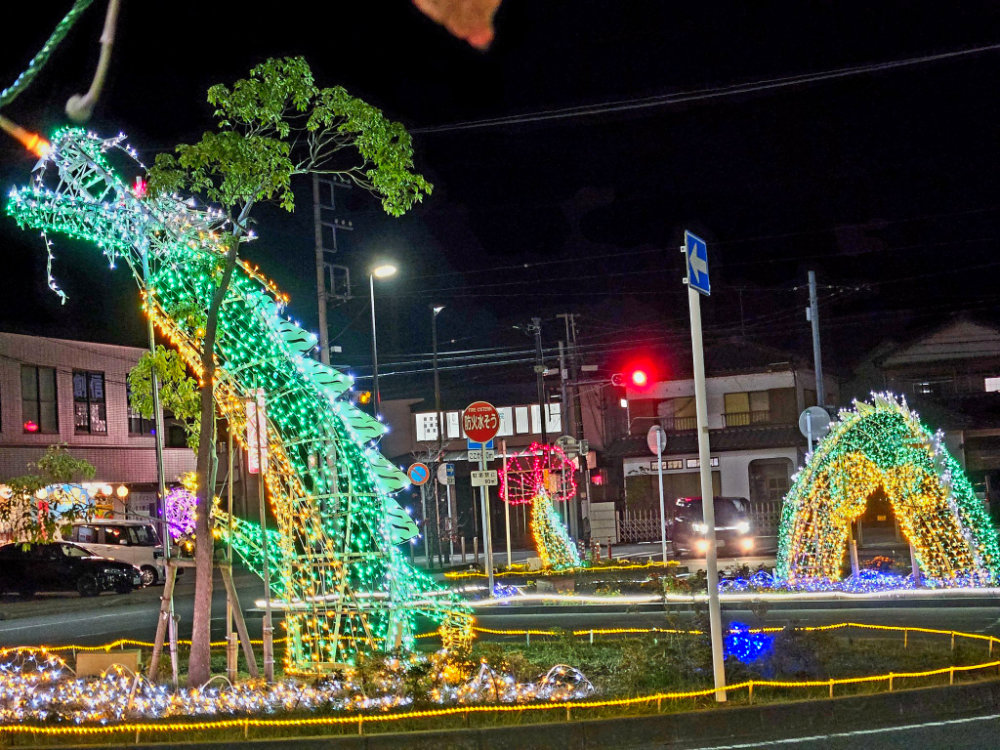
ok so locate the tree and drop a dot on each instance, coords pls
(178, 390)
(272, 126)
(32, 518)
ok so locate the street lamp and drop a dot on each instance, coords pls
(381, 271)
(435, 311)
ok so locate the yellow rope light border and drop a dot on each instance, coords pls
(360, 719)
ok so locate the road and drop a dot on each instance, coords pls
(69, 619)
(966, 732)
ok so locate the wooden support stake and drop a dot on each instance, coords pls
(162, 622)
(750, 692)
(831, 687)
(241, 625)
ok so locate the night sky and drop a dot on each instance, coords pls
(884, 182)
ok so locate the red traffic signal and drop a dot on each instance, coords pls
(639, 378)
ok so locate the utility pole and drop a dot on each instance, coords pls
(536, 329)
(339, 277)
(576, 505)
(812, 315)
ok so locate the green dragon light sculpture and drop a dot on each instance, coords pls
(333, 558)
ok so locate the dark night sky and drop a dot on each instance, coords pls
(884, 183)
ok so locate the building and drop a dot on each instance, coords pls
(950, 375)
(754, 397)
(75, 393)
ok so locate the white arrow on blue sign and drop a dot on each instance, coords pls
(696, 252)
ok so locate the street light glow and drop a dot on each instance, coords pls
(384, 271)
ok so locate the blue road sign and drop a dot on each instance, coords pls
(473, 446)
(449, 470)
(696, 252)
(418, 473)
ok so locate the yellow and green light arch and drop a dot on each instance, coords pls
(883, 444)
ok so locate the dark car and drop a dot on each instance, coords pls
(733, 528)
(61, 566)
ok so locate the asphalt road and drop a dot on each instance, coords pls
(967, 732)
(63, 619)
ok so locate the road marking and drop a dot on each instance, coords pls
(5, 629)
(855, 733)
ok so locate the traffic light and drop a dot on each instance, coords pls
(364, 397)
(618, 383)
(639, 377)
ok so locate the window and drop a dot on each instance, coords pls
(89, 411)
(138, 424)
(678, 414)
(746, 408)
(39, 406)
(521, 423)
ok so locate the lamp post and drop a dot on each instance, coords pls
(435, 311)
(381, 271)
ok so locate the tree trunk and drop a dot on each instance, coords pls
(200, 661)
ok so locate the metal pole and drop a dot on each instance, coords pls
(231, 645)
(487, 532)
(451, 525)
(506, 500)
(268, 630)
(427, 527)
(707, 495)
(376, 398)
(324, 334)
(659, 476)
(813, 317)
(160, 474)
(536, 327)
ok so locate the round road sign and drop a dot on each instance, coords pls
(481, 422)
(418, 473)
(656, 447)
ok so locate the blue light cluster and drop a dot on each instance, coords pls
(865, 582)
(745, 645)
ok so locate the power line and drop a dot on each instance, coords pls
(718, 92)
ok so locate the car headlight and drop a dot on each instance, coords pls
(699, 528)
(743, 527)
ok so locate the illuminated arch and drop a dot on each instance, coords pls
(883, 444)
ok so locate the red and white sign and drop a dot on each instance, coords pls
(481, 422)
(256, 425)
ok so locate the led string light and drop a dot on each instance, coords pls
(31, 676)
(335, 551)
(540, 475)
(883, 444)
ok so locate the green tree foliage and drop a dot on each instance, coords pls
(178, 390)
(33, 519)
(272, 126)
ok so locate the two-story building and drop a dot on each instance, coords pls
(754, 397)
(76, 393)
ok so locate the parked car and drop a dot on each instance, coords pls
(129, 541)
(733, 528)
(62, 566)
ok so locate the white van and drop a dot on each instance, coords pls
(130, 541)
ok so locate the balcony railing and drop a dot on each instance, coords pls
(746, 418)
(679, 424)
